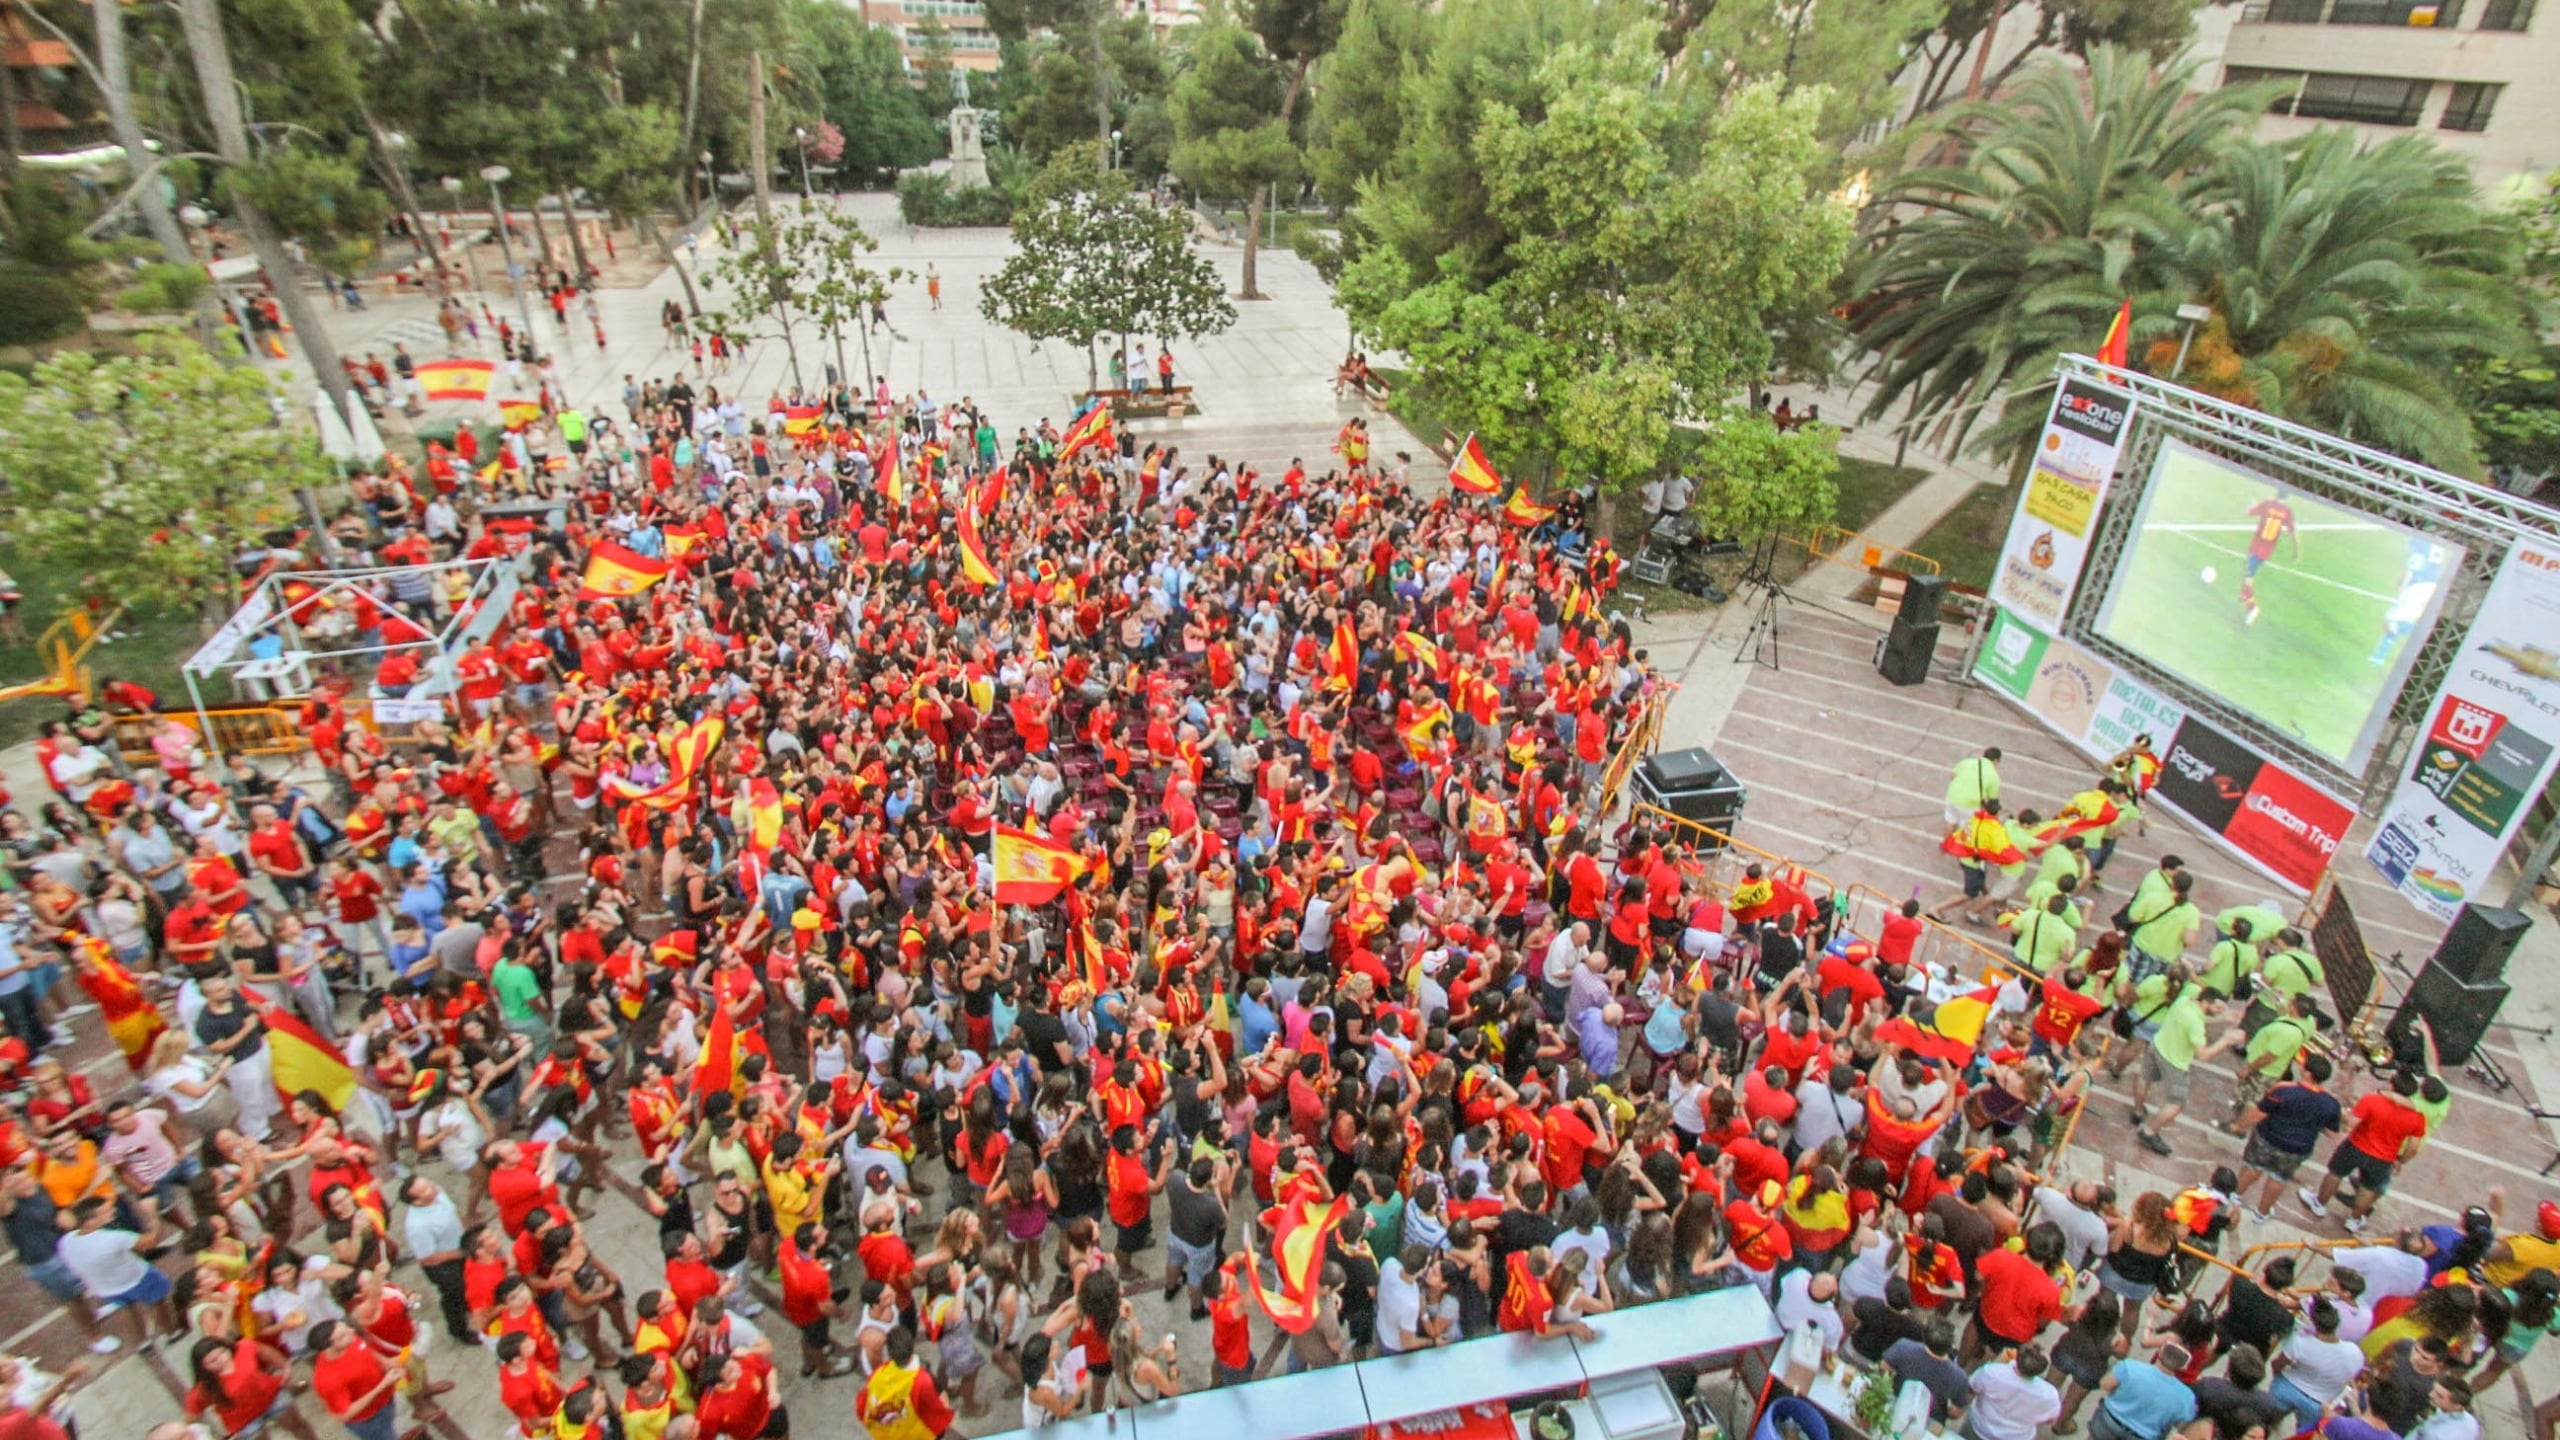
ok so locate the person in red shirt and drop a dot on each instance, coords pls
(353, 1382)
(2061, 1009)
(527, 1388)
(1574, 1138)
(521, 1178)
(1901, 931)
(1758, 1158)
(744, 1403)
(1766, 1095)
(277, 850)
(1132, 1198)
(2018, 1294)
(2386, 1132)
(241, 1384)
(1757, 1235)
(808, 1301)
(1230, 1332)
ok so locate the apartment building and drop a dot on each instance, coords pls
(2461, 71)
(964, 24)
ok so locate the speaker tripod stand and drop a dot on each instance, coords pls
(1760, 643)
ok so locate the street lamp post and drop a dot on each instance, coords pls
(1115, 149)
(2194, 315)
(800, 137)
(470, 256)
(494, 174)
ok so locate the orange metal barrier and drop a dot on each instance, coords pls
(1642, 736)
(243, 729)
(1865, 552)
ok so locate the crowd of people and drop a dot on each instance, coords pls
(692, 903)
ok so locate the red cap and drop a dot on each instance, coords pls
(2548, 1218)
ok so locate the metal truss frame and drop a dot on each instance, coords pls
(2484, 520)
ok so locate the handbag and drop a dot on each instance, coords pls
(2124, 1022)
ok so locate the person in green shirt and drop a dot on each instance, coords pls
(2162, 933)
(2270, 1055)
(522, 1005)
(2234, 959)
(2063, 866)
(2291, 970)
(1976, 778)
(2176, 1012)
(2151, 891)
(2046, 936)
(573, 429)
(2067, 886)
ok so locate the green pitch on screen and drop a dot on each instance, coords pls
(2320, 652)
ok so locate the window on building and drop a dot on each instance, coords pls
(2442, 14)
(2468, 109)
(2507, 15)
(2282, 104)
(2296, 12)
(2365, 99)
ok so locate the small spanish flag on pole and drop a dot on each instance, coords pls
(1032, 869)
(455, 379)
(973, 551)
(519, 413)
(1093, 427)
(800, 419)
(1520, 510)
(1472, 472)
(2112, 350)
(1342, 659)
(614, 571)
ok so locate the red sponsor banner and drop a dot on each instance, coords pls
(2275, 819)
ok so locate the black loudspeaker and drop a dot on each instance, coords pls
(1921, 597)
(2456, 1011)
(2482, 937)
(1693, 785)
(1904, 655)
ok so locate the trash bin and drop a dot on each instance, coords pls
(1806, 1416)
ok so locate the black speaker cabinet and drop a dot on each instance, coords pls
(1903, 656)
(1693, 785)
(2457, 1012)
(1921, 597)
(2482, 937)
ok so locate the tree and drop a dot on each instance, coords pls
(1620, 268)
(802, 265)
(1231, 141)
(1092, 257)
(1756, 480)
(150, 470)
(1357, 120)
(1080, 24)
(1852, 51)
(2348, 286)
(2159, 29)
(851, 75)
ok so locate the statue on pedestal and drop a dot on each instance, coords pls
(968, 151)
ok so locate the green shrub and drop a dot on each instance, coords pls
(927, 200)
(163, 287)
(35, 306)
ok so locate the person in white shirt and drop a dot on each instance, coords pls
(2315, 1367)
(1806, 1298)
(1400, 1322)
(1828, 1107)
(2011, 1399)
(2389, 1271)
(2451, 1419)
(2081, 1214)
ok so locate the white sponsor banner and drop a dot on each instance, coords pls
(2490, 739)
(2048, 542)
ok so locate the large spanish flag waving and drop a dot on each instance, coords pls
(1031, 869)
(1093, 427)
(1950, 1033)
(1342, 659)
(686, 754)
(1472, 472)
(974, 565)
(455, 379)
(764, 815)
(1298, 1238)
(718, 1067)
(614, 571)
(1522, 511)
(303, 1060)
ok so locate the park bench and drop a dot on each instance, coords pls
(1148, 404)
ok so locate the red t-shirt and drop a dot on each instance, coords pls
(1758, 1239)
(737, 1412)
(2061, 1011)
(806, 1286)
(1838, 972)
(2384, 1124)
(357, 893)
(517, 1190)
(251, 1389)
(342, 1380)
(1569, 1136)
(2018, 1299)
(1230, 1333)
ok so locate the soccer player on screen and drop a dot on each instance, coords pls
(2419, 580)
(2271, 519)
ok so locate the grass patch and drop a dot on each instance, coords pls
(1966, 540)
(1869, 487)
(151, 655)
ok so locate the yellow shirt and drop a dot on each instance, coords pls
(796, 1201)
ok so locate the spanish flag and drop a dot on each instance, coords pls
(1983, 839)
(718, 1067)
(929, 458)
(1520, 510)
(455, 379)
(1298, 1236)
(2112, 350)
(687, 753)
(764, 815)
(1419, 651)
(989, 496)
(1471, 472)
(1084, 951)
(1342, 659)
(614, 571)
(973, 550)
(1093, 427)
(1952, 1030)
(677, 947)
(519, 413)
(683, 540)
(304, 1061)
(801, 419)
(1031, 869)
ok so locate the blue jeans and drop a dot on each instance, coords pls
(2305, 1409)
(384, 1425)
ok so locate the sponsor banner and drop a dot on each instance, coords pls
(2489, 744)
(2266, 814)
(2048, 542)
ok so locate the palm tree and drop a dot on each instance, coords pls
(2347, 285)
(2052, 213)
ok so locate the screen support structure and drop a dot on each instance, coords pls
(2487, 521)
